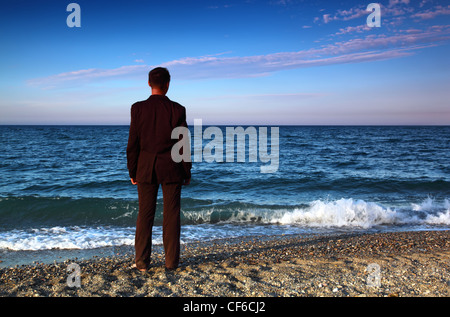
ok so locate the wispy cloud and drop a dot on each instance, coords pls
(432, 13)
(87, 75)
(395, 9)
(371, 47)
(346, 15)
(352, 29)
(395, 2)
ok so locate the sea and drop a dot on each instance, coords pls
(65, 190)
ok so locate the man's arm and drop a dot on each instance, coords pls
(186, 165)
(133, 147)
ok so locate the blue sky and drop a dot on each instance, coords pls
(232, 62)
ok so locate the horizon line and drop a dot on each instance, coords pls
(224, 124)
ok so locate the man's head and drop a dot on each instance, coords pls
(159, 79)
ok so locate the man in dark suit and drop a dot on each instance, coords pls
(150, 164)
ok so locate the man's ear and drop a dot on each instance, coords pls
(149, 84)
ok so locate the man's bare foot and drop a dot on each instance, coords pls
(133, 266)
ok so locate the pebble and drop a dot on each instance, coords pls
(297, 265)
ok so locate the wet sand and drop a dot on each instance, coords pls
(404, 264)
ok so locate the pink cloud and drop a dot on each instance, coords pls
(345, 15)
(395, 2)
(326, 18)
(369, 48)
(432, 13)
(353, 29)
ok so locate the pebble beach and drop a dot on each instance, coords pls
(397, 264)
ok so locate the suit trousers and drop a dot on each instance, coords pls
(147, 193)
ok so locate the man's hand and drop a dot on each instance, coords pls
(186, 181)
(133, 181)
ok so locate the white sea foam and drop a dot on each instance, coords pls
(359, 213)
(65, 238)
(340, 213)
(437, 214)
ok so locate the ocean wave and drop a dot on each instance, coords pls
(35, 211)
(29, 212)
(345, 212)
(206, 219)
(359, 213)
(436, 214)
(341, 213)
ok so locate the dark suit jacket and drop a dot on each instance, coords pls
(150, 143)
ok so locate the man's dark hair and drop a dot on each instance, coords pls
(159, 77)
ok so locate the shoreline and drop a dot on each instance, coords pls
(409, 264)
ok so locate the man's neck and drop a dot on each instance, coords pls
(158, 92)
